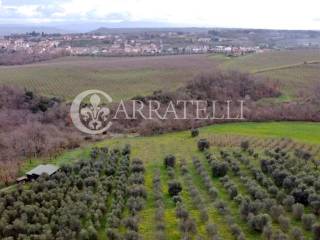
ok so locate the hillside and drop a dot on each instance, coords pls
(122, 78)
(209, 204)
(297, 71)
(153, 148)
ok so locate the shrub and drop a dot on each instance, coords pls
(244, 145)
(288, 202)
(181, 212)
(171, 173)
(194, 132)
(288, 183)
(276, 211)
(203, 144)
(315, 205)
(316, 231)
(235, 169)
(302, 154)
(126, 150)
(83, 235)
(297, 211)
(135, 204)
(278, 235)
(273, 190)
(300, 196)
(136, 178)
(131, 235)
(264, 165)
(211, 229)
(284, 223)
(159, 213)
(204, 215)
(258, 222)
(308, 220)
(92, 233)
(137, 166)
(235, 230)
(279, 176)
(222, 207)
(160, 235)
(137, 190)
(114, 221)
(90, 182)
(219, 169)
(113, 234)
(188, 226)
(177, 198)
(233, 192)
(131, 223)
(174, 188)
(169, 161)
(267, 233)
(296, 234)
(213, 193)
(160, 226)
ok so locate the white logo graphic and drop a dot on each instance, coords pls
(91, 118)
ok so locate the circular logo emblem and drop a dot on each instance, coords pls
(89, 113)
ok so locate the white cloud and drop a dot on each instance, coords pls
(290, 14)
(27, 11)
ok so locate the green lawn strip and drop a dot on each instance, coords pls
(125, 214)
(262, 70)
(306, 132)
(171, 222)
(288, 214)
(233, 206)
(102, 233)
(193, 211)
(191, 208)
(214, 216)
(146, 216)
(180, 143)
(102, 230)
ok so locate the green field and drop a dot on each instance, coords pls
(152, 150)
(121, 78)
(94, 184)
(296, 71)
(273, 59)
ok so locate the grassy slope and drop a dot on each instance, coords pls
(269, 60)
(153, 149)
(299, 131)
(122, 78)
(126, 77)
(287, 67)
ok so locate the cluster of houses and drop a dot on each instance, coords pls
(117, 49)
(235, 51)
(120, 44)
(30, 47)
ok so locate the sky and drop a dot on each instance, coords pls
(272, 14)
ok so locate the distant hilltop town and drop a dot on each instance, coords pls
(34, 46)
